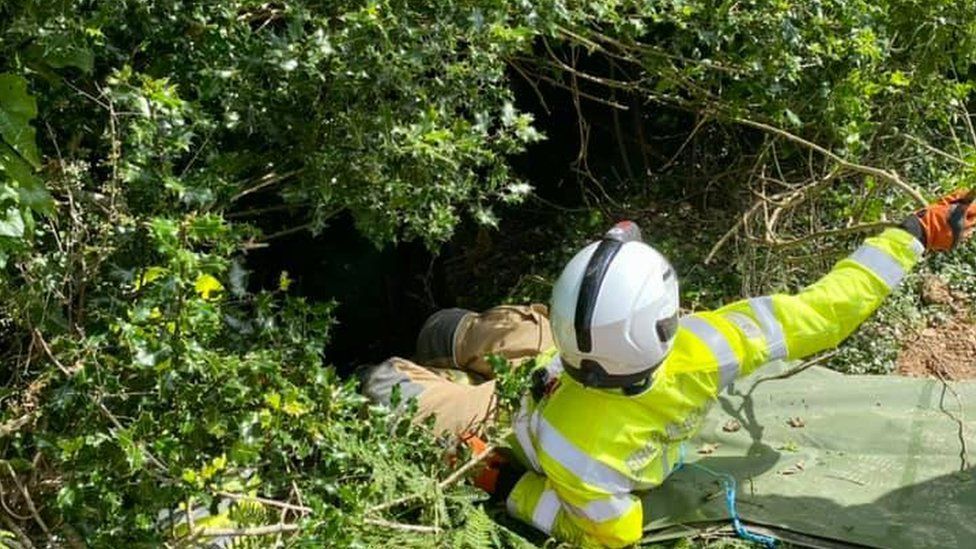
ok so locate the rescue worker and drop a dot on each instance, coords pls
(632, 379)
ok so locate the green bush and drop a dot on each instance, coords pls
(145, 144)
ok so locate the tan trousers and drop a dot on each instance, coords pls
(450, 376)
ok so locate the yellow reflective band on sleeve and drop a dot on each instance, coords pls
(587, 469)
(880, 263)
(602, 510)
(728, 363)
(521, 427)
(525, 496)
(771, 327)
(546, 510)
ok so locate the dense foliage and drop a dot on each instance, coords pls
(147, 146)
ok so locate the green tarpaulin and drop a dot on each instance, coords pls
(878, 461)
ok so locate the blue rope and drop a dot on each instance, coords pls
(728, 481)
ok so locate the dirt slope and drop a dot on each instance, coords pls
(949, 348)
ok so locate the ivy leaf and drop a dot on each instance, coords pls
(17, 109)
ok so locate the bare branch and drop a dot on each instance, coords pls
(451, 479)
(244, 532)
(888, 176)
(22, 538)
(30, 502)
(265, 181)
(402, 526)
(50, 355)
(272, 502)
(864, 227)
(12, 426)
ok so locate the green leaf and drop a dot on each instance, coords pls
(12, 223)
(133, 453)
(207, 286)
(72, 56)
(30, 189)
(792, 118)
(17, 109)
(900, 79)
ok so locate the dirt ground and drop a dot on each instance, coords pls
(949, 348)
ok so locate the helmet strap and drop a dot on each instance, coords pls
(591, 374)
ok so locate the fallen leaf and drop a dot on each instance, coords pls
(731, 426)
(793, 469)
(790, 446)
(708, 448)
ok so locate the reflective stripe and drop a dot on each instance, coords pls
(521, 428)
(728, 363)
(771, 327)
(545, 511)
(918, 247)
(880, 263)
(554, 368)
(583, 466)
(602, 510)
(665, 466)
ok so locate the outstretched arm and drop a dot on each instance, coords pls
(746, 334)
(825, 313)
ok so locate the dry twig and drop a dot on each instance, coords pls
(22, 538)
(884, 175)
(272, 502)
(12, 426)
(30, 502)
(451, 479)
(244, 532)
(402, 526)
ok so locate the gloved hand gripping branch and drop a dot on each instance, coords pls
(498, 472)
(941, 226)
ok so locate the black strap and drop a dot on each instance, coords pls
(596, 270)
(913, 225)
(591, 374)
(957, 220)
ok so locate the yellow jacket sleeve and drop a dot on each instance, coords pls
(749, 333)
(596, 521)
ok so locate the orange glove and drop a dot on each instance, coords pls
(489, 468)
(496, 474)
(943, 225)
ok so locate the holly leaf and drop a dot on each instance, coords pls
(207, 286)
(17, 109)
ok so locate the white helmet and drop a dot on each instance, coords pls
(615, 310)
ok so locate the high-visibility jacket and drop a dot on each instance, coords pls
(587, 450)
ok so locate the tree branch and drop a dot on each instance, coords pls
(244, 532)
(402, 526)
(272, 502)
(884, 175)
